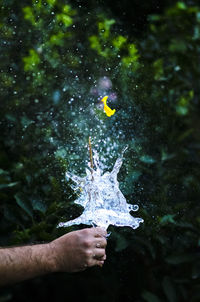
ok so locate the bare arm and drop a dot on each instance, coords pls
(20, 263)
(72, 252)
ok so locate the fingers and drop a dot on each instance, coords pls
(99, 254)
(94, 244)
(100, 243)
(97, 262)
(100, 232)
(100, 263)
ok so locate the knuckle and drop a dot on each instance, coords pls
(88, 254)
(88, 262)
(105, 242)
(86, 232)
(77, 236)
(102, 232)
(87, 243)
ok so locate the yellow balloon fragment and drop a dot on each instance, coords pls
(107, 109)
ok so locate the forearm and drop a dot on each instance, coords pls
(71, 252)
(21, 263)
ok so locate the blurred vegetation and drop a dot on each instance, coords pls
(57, 58)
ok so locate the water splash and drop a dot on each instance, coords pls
(103, 202)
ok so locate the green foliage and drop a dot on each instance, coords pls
(111, 46)
(54, 59)
(31, 61)
(149, 297)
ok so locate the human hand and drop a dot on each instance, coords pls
(78, 250)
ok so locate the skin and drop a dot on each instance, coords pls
(72, 252)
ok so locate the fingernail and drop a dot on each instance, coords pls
(102, 263)
(107, 235)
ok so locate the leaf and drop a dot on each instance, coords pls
(51, 2)
(134, 175)
(65, 19)
(57, 39)
(38, 205)
(31, 61)
(10, 117)
(181, 258)
(150, 297)
(181, 110)
(158, 69)
(119, 41)
(24, 204)
(154, 18)
(132, 59)
(166, 219)
(121, 243)
(3, 172)
(169, 289)
(147, 159)
(178, 46)
(61, 153)
(181, 5)
(25, 121)
(10, 185)
(66, 9)
(166, 156)
(104, 27)
(29, 15)
(94, 43)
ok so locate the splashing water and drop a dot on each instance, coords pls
(103, 202)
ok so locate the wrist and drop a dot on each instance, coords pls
(51, 257)
(46, 257)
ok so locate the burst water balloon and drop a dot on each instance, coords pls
(103, 202)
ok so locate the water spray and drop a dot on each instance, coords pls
(103, 202)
